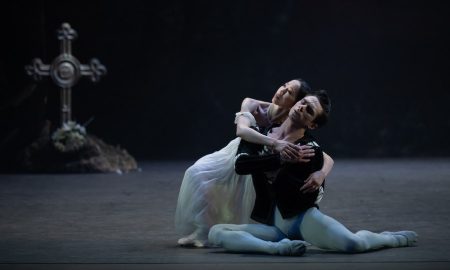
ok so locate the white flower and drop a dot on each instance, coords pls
(71, 136)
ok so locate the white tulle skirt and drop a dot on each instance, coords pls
(212, 193)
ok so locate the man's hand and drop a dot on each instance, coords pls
(314, 181)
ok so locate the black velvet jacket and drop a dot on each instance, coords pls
(278, 184)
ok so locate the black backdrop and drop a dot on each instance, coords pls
(178, 70)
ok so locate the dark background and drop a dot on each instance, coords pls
(178, 71)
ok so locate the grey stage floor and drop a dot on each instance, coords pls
(112, 221)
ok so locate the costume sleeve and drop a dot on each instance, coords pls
(248, 160)
(246, 164)
(248, 115)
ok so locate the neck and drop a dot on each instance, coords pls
(290, 132)
(278, 114)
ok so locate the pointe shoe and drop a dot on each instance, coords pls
(193, 240)
(186, 241)
(200, 243)
(288, 247)
(189, 242)
(410, 236)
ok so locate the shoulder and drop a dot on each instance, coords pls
(309, 140)
(251, 104)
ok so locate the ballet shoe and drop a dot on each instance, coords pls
(410, 237)
(200, 243)
(186, 241)
(192, 240)
(288, 247)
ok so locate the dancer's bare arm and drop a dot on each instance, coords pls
(244, 131)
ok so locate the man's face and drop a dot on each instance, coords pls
(305, 111)
(287, 94)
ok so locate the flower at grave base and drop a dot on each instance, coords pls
(70, 137)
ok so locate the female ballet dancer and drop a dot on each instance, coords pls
(211, 192)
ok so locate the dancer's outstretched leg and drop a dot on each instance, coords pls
(254, 238)
(327, 233)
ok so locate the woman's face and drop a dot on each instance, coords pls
(286, 95)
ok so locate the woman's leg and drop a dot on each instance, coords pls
(327, 233)
(254, 238)
(212, 193)
(190, 208)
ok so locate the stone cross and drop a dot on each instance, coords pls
(66, 70)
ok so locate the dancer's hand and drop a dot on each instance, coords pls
(314, 181)
(287, 150)
(305, 152)
(296, 153)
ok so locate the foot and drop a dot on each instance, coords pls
(404, 238)
(186, 241)
(288, 247)
(200, 243)
(195, 239)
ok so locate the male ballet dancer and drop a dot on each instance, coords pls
(289, 215)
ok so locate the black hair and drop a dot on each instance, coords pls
(325, 102)
(304, 89)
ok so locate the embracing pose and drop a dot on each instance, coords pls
(212, 192)
(288, 216)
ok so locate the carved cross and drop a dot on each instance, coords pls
(66, 70)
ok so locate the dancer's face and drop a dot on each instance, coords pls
(287, 94)
(305, 111)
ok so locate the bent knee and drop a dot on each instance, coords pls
(214, 234)
(354, 245)
(219, 232)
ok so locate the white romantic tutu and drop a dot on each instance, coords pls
(212, 193)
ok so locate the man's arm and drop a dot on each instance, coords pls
(249, 161)
(248, 164)
(316, 179)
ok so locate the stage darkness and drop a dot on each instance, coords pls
(178, 70)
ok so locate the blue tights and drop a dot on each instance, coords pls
(312, 226)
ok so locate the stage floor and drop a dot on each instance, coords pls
(112, 221)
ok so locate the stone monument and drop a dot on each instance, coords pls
(69, 148)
